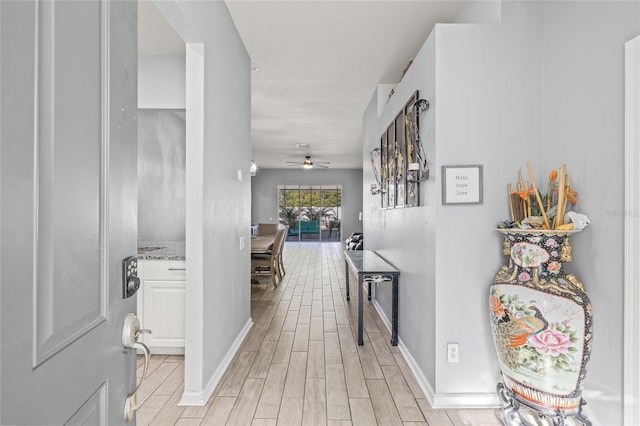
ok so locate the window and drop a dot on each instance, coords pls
(312, 212)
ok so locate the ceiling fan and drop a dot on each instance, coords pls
(308, 164)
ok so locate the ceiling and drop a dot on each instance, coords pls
(318, 65)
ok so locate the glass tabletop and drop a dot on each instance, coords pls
(368, 261)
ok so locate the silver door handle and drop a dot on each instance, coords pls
(130, 333)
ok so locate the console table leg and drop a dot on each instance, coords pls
(360, 310)
(394, 311)
(346, 272)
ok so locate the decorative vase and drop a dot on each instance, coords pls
(542, 327)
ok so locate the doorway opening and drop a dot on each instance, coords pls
(313, 212)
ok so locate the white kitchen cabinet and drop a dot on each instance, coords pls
(161, 304)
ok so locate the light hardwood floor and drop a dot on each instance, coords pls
(300, 364)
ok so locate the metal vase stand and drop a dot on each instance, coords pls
(534, 415)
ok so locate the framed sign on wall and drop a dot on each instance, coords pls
(462, 184)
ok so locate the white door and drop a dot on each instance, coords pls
(68, 208)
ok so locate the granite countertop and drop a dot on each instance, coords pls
(161, 250)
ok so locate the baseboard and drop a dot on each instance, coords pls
(458, 400)
(167, 350)
(417, 372)
(466, 400)
(201, 398)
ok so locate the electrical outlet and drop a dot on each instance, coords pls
(453, 352)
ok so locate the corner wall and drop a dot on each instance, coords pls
(218, 304)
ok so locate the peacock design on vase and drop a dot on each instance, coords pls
(541, 321)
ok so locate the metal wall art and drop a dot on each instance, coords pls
(375, 187)
(403, 163)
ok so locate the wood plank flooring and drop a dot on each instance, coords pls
(300, 364)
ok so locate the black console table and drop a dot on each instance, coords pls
(370, 267)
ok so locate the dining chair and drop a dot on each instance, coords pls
(268, 228)
(263, 264)
(279, 258)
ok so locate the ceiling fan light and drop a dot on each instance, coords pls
(307, 164)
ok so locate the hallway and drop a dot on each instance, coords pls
(300, 364)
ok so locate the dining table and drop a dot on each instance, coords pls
(262, 243)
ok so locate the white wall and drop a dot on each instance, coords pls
(219, 307)
(406, 237)
(584, 126)
(488, 112)
(485, 109)
(161, 147)
(161, 81)
(161, 175)
(481, 12)
(544, 86)
(264, 194)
